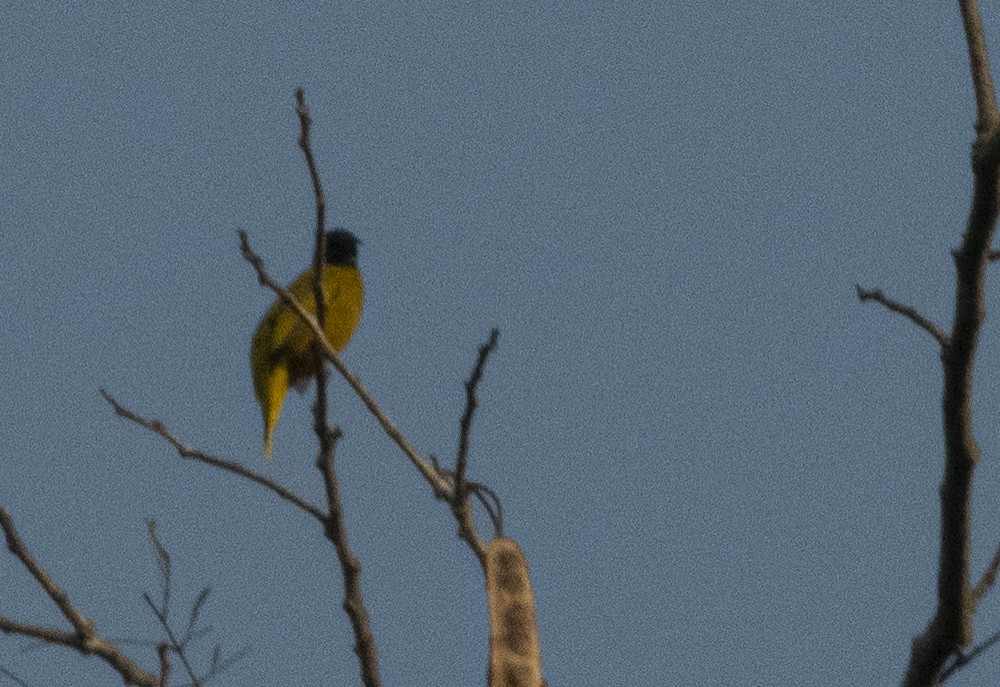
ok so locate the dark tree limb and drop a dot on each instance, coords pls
(950, 630)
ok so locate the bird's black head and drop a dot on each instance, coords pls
(341, 247)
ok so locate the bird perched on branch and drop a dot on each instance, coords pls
(281, 354)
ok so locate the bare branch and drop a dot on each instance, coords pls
(85, 638)
(354, 605)
(906, 311)
(461, 507)
(471, 403)
(177, 647)
(49, 635)
(80, 623)
(334, 527)
(185, 452)
(163, 563)
(321, 426)
(305, 125)
(196, 608)
(950, 630)
(220, 666)
(979, 65)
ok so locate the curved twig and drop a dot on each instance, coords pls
(906, 311)
(230, 466)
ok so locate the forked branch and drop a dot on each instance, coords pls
(84, 638)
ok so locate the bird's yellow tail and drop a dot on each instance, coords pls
(276, 387)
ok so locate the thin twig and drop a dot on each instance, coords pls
(85, 638)
(199, 603)
(172, 639)
(962, 660)
(486, 496)
(334, 526)
(320, 422)
(471, 403)
(904, 310)
(305, 125)
(461, 507)
(164, 563)
(988, 579)
(179, 645)
(83, 625)
(11, 676)
(185, 452)
(219, 666)
(491, 503)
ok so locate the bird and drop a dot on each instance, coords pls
(281, 352)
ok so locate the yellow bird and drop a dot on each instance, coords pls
(281, 354)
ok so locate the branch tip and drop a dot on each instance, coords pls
(906, 311)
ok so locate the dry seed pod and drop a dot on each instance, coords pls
(515, 652)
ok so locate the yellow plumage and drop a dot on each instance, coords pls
(281, 354)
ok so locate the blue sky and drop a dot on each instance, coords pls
(723, 469)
